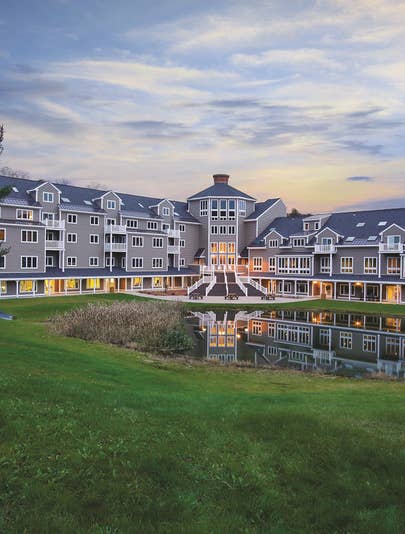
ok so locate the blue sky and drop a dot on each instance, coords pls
(298, 99)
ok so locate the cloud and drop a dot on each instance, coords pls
(360, 179)
(159, 129)
(288, 58)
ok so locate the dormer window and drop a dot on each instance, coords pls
(166, 212)
(47, 196)
(317, 225)
(299, 242)
(273, 243)
(306, 226)
(111, 204)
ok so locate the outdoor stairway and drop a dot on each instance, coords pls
(200, 290)
(252, 291)
(218, 290)
(235, 289)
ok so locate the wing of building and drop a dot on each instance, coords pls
(64, 239)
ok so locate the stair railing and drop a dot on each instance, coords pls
(211, 284)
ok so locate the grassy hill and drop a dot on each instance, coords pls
(99, 439)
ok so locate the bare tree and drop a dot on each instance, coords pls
(62, 181)
(14, 173)
(96, 185)
(1, 137)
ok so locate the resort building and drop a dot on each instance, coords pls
(64, 239)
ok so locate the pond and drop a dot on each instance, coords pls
(338, 343)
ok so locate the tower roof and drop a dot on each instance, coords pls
(221, 188)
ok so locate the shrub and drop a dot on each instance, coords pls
(146, 326)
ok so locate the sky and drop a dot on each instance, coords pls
(298, 99)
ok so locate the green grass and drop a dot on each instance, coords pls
(99, 439)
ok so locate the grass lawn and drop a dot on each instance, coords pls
(104, 440)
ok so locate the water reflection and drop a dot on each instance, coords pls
(339, 343)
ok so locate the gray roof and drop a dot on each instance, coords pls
(96, 273)
(220, 190)
(79, 197)
(285, 226)
(261, 207)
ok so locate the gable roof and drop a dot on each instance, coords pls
(284, 226)
(220, 190)
(261, 207)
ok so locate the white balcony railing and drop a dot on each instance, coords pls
(54, 225)
(51, 244)
(173, 233)
(115, 229)
(173, 249)
(325, 249)
(391, 247)
(115, 247)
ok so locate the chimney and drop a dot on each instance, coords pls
(221, 178)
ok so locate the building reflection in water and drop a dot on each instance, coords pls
(340, 343)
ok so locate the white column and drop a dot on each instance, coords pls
(364, 291)
(350, 291)
(381, 286)
(80, 285)
(94, 285)
(334, 290)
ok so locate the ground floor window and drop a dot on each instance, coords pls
(302, 288)
(93, 283)
(27, 286)
(294, 334)
(393, 346)
(72, 284)
(345, 340)
(344, 290)
(137, 281)
(271, 330)
(257, 328)
(369, 343)
(157, 282)
(3, 286)
(324, 337)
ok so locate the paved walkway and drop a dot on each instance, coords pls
(221, 300)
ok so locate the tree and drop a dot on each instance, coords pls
(295, 213)
(14, 173)
(1, 137)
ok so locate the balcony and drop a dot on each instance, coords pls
(115, 247)
(115, 229)
(173, 249)
(391, 247)
(53, 244)
(173, 233)
(325, 249)
(54, 225)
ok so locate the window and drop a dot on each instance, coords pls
(48, 216)
(182, 262)
(47, 197)
(166, 212)
(231, 247)
(157, 242)
(203, 208)
(299, 335)
(27, 286)
(294, 265)
(49, 262)
(71, 261)
(152, 225)
(242, 207)
(214, 210)
(324, 337)
(214, 229)
(382, 223)
(182, 227)
(360, 224)
(273, 243)
(393, 265)
(257, 263)
(2, 262)
(306, 226)
(29, 236)
(94, 220)
(65, 199)
(369, 343)
(346, 265)
(345, 340)
(214, 247)
(324, 265)
(137, 241)
(109, 262)
(182, 243)
(110, 222)
(370, 265)
(137, 263)
(299, 242)
(27, 215)
(271, 329)
(344, 290)
(123, 262)
(231, 230)
(111, 204)
(157, 263)
(29, 262)
(272, 265)
(257, 328)
(87, 202)
(317, 225)
(94, 239)
(326, 241)
(222, 210)
(231, 209)
(72, 218)
(393, 346)
(71, 238)
(93, 261)
(132, 223)
(222, 229)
